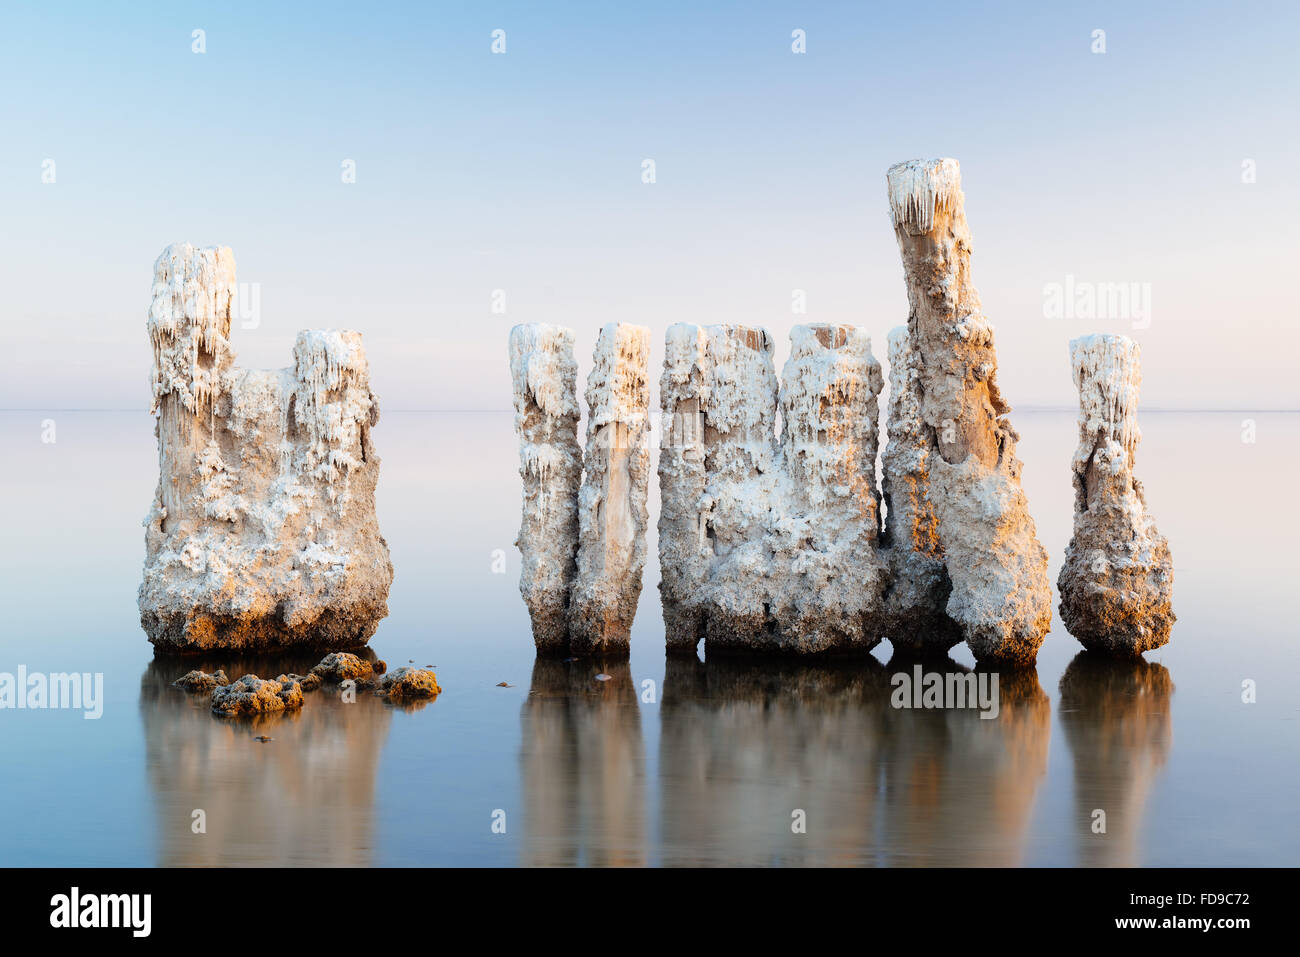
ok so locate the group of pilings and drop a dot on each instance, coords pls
(776, 543)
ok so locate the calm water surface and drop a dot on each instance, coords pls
(707, 772)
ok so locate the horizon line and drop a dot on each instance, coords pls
(1025, 408)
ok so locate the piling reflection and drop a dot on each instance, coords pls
(304, 797)
(1118, 727)
(960, 788)
(745, 746)
(583, 764)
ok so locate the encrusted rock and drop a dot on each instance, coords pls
(1117, 581)
(308, 682)
(201, 681)
(263, 530)
(253, 695)
(1001, 596)
(407, 682)
(342, 666)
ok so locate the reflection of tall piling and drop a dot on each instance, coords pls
(583, 765)
(1116, 716)
(306, 797)
(961, 788)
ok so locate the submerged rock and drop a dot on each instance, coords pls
(407, 682)
(342, 666)
(308, 682)
(253, 695)
(1117, 581)
(1001, 597)
(263, 530)
(201, 681)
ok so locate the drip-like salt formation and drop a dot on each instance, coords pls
(263, 529)
(920, 188)
(1108, 374)
(1117, 581)
(582, 538)
(189, 323)
(332, 402)
(1000, 594)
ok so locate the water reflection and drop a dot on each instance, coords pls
(304, 797)
(745, 745)
(583, 765)
(1117, 725)
(960, 788)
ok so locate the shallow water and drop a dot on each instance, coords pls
(667, 762)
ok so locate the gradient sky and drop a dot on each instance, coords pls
(522, 172)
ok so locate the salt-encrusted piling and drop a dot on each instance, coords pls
(544, 374)
(1000, 595)
(685, 550)
(917, 622)
(582, 539)
(263, 530)
(740, 458)
(1117, 581)
(771, 547)
(612, 502)
(827, 528)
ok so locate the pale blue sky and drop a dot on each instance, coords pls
(522, 172)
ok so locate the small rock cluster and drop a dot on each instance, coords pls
(251, 695)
